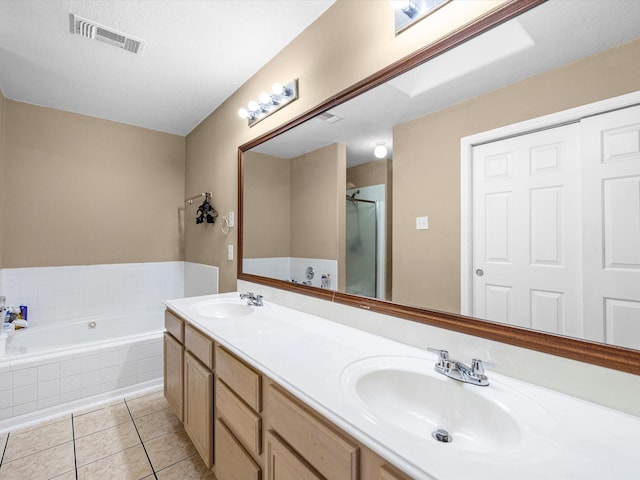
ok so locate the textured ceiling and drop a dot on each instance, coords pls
(197, 54)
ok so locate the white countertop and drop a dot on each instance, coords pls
(307, 355)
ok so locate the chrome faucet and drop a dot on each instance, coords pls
(457, 370)
(252, 299)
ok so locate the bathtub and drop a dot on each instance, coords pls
(56, 368)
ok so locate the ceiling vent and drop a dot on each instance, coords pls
(330, 117)
(95, 31)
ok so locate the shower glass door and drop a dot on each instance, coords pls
(361, 247)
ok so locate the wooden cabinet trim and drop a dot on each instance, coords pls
(242, 379)
(174, 325)
(318, 442)
(389, 473)
(245, 424)
(200, 346)
(283, 463)
(233, 462)
(173, 364)
(198, 407)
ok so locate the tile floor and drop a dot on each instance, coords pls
(131, 439)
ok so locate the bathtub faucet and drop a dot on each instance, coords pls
(252, 299)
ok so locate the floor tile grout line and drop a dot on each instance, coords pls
(153, 470)
(73, 438)
(6, 443)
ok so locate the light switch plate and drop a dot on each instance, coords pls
(229, 252)
(422, 223)
(232, 219)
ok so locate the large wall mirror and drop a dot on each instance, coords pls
(503, 196)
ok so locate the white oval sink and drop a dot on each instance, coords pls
(407, 395)
(222, 309)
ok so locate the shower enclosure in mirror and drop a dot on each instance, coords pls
(365, 242)
(531, 70)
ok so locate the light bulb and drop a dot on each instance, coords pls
(380, 151)
(243, 113)
(408, 7)
(265, 98)
(253, 106)
(277, 89)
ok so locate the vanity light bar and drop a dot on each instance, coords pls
(269, 103)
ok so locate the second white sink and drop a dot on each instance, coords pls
(406, 394)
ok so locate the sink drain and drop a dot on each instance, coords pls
(442, 435)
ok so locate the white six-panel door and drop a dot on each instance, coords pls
(526, 222)
(556, 229)
(611, 223)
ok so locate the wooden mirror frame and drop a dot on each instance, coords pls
(610, 356)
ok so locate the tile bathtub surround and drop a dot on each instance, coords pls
(137, 437)
(27, 386)
(56, 294)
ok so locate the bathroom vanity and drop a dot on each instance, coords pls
(268, 392)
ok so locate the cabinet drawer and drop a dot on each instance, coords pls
(243, 380)
(199, 345)
(240, 419)
(174, 326)
(327, 451)
(283, 463)
(232, 462)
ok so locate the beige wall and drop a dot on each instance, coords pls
(317, 198)
(367, 174)
(342, 47)
(2, 155)
(427, 166)
(267, 206)
(80, 190)
(295, 207)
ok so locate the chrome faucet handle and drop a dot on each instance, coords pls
(442, 354)
(444, 363)
(477, 366)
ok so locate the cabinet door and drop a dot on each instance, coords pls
(198, 407)
(285, 464)
(173, 368)
(233, 463)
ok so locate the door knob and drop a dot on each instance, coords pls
(479, 272)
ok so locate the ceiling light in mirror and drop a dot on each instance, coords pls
(408, 12)
(380, 151)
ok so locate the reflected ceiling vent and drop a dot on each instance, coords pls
(330, 117)
(95, 31)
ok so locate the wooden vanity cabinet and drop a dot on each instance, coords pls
(173, 360)
(253, 429)
(188, 381)
(389, 473)
(374, 467)
(238, 432)
(299, 440)
(283, 463)
(198, 392)
(198, 407)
